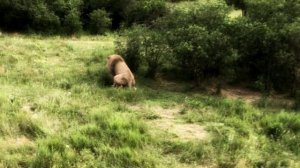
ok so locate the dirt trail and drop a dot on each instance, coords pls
(241, 93)
(168, 121)
(254, 97)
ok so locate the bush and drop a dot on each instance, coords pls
(261, 54)
(59, 16)
(156, 51)
(144, 11)
(202, 43)
(211, 16)
(190, 43)
(72, 23)
(201, 53)
(99, 21)
(130, 47)
(44, 20)
(146, 47)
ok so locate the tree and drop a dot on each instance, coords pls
(293, 36)
(72, 23)
(99, 21)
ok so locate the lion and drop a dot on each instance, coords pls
(122, 75)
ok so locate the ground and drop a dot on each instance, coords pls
(57, 109)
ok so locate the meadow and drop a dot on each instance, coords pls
(58, 109)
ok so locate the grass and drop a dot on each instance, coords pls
(57, 109)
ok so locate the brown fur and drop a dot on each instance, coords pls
(122, 76)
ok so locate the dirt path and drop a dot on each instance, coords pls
(247, 95)
(167, 120)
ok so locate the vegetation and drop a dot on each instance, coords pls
(58, 108)
(204, 42)
(200, 38)
(73, 16)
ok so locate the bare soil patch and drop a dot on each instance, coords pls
(17, 142)
(170, 123)
(247, 95)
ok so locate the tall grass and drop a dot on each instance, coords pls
(243, 133)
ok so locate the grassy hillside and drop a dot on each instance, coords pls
(56, 110)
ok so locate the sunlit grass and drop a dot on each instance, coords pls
(58, 109)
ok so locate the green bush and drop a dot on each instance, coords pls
(200, 52)
(130, 47)
(144, 11)
(194, 43)
(145, 47)
(155, 52)
(263, 56)
(44, 20)
(68, 17)
(211, 16)
(99, 21)
(72, 23)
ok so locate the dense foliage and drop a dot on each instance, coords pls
(259, 48)
(73, 16)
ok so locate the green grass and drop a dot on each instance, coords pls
(188, 4)
(57, 109)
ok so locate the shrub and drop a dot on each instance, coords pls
(44, 20)
(201, 53)
(156, 51)
(144, 46)
(72, 23)
(59, 16)
(211, 16)
(261, 53)
(130, 47)
(190, 44)
(99, 21)
(144, 11)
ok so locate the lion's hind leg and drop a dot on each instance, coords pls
(120, 80)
